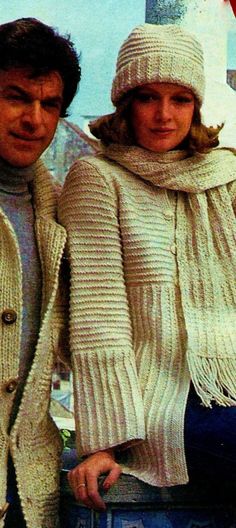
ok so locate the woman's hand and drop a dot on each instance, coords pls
(84, 478)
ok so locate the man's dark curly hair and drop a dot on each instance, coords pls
(29, 43)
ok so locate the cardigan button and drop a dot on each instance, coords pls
(11, 385)
(173, 249)
(168, 214)
(9, 316)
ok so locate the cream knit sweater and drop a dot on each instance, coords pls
(152, 247)
(34, 440)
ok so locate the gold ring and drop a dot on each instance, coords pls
(81, 486)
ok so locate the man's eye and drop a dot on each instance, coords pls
(14, 97)
(51, 105)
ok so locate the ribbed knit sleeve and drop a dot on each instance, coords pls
(108, 402)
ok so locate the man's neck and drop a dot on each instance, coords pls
(15, 178)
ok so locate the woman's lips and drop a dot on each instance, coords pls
(162, 130)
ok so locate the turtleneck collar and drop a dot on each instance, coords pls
(176, 170)
(14, 179)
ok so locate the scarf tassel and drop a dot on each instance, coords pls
(214, 379)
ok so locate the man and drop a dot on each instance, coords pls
(39, 74)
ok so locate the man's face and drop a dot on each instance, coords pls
(29, 113)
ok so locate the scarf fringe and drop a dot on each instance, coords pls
(214, 379)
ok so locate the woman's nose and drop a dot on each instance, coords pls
(163, 110)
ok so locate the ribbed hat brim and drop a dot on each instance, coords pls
(159, 68)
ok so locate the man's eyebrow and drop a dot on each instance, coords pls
(15, 88)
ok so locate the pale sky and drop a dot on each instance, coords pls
(97, 28)
(232, 50)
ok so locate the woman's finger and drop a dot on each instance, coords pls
(112, 477)
(84, 478)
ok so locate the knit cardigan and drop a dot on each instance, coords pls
(34, 441)
(145, 232)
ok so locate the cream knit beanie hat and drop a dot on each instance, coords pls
(155, 53)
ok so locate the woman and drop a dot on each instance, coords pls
(151, 237)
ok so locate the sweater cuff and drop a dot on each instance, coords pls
(108, 402)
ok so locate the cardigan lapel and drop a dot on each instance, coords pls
(51, 240)
(51, 236)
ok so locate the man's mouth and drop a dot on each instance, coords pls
(25, 137)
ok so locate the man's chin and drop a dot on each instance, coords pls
(20, 165)
(21, 161)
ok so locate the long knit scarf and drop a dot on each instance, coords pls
(206, 257)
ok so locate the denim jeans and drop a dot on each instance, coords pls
(210, 440)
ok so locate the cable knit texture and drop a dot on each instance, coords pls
(33, 441)
(152, 246)
(154, 53)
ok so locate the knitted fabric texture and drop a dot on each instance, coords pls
(154, 53)
(16, 202)
(206, 256)
(33, 440)
(149, 265)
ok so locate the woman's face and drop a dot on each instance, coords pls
(161, 115)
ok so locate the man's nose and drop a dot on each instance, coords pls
(33, 115)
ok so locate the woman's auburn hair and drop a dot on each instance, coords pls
(116, 128)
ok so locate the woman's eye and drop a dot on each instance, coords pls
(182, 99)
(145, 97)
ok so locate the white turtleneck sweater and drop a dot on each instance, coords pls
(151, 241)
